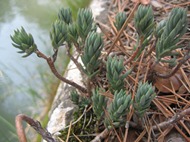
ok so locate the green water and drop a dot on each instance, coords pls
(25, 83)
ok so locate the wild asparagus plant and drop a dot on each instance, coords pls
(24, 42)
(99, 103)
(144, 24)
(120, 20)
(143, 98)
(174, 28)
(118, 109)
(114, 74)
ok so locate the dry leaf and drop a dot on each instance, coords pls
(172, 83)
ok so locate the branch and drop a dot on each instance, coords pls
(79, 66)
(101, 136)
(181, 62)
(55, 72)
(35, 125)
(172, 121)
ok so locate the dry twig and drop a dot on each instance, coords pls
(173, 120)
(34, 124)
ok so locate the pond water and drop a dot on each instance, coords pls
(25, 82)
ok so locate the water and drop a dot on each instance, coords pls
(25, 81)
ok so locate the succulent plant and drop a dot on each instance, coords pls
(144, 24)
(143, 98)
(74, 97)
(58, 33)
(24, 42)
(160, 28)
(84, 22)
(120, 20)
(175, 28)
(114, 74)
(72, 33)
(92, 52)
(99, 103)
(118, 109)
(144, 21)
(65, 15)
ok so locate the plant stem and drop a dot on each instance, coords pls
(165, 76)
(35, 125)
(101, 136)
(79, 66)
(55, 72)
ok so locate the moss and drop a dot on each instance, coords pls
(83, 129)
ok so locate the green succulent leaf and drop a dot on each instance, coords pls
(24, 42)
(118, 109)
(58, 33)
(72, 33)
(92, 52)
(120, 20)
(99, 103)
(75, 97)
(84, 22)
(144, 21)
(170, 31)
(143, 98)
(65, 15)
(114, 74)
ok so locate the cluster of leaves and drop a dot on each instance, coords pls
(167, 32)
(89, 44)
(120, 106)
(114, 74)
(24, 42)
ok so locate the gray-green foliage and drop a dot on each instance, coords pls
(144, 21)
(143, 98)
(174, 28)
(144, 24)
(118, 109)
(24, 42)
(114, 74)
(160, 28)
(72, 33)
(65, 14)
(120, 20)
(84, 22)
(75, 97)
(58, 33)
(99, 103)
(91, 54)
(81, 101)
